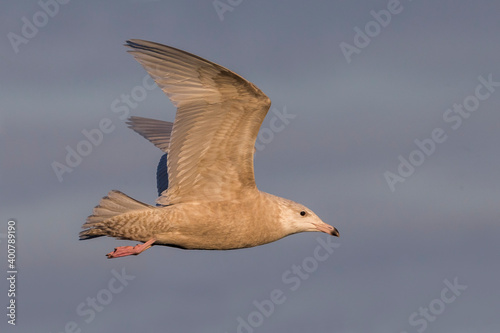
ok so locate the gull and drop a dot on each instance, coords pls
(208, 199)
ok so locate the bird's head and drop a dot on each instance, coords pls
(296, 218)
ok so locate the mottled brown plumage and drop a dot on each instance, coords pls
(212, 201)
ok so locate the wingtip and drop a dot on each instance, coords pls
(133, 43)
(129, 122)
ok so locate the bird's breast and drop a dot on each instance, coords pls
(221, 225)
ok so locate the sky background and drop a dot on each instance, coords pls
(398, 251)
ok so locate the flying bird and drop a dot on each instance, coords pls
(208, 198)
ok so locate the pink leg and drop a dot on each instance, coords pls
(123, 251)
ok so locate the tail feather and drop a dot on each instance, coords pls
(115, 203)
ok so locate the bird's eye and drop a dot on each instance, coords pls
(303, 213)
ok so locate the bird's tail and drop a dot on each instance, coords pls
(102, 221)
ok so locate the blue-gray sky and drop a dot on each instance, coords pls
(356, 119)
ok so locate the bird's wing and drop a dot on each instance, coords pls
(156, 131)
(218, 118)
(162, 174)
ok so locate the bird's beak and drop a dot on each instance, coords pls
(326, 228)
